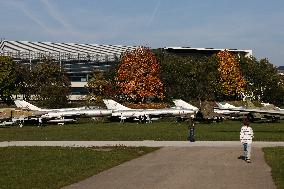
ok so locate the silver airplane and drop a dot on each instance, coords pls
(182, 104)
(25, 105)
(123, 112)
(251, 112)
(60, 114)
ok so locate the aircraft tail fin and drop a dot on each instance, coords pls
(185, 105)
(225, 105)
(112, 105)
(25, 105)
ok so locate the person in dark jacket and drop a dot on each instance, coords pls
(191, 128)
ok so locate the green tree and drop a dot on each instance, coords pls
(263, 81)
(175, 74)
(51, 84)
(189, 78)
(111, 73)
(97, 87)
(206, 78)
(273, 88)
(112, 90)
(7, 79)
(25, 81)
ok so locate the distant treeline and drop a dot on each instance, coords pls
(143, 75)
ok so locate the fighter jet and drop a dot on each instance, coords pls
(182, 104)
(201, 115)
(25, 105)
(59, 115)
(123, 112)
(252, 112)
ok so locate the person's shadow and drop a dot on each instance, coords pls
(242, 158)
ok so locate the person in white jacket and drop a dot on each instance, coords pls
(246, 136)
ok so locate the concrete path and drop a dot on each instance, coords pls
(179, 168)
(147, 143)
(180, 164)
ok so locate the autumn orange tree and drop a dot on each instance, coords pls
(138, 75)
(231, 79)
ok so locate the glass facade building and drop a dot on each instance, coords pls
(78, 60)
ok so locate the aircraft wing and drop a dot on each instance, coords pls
(250, 110)
(78, 113)
(151, 112)
(272, 112)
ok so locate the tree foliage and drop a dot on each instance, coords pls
(25, 81)
(51, 84)
(231, 79)
(263, 81)
(138, 75)
(111, 73)
(98, 87)
(189, 78)
(7, 79)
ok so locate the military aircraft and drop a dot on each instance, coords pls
(200, 114)
(182, 104)
(122, 112)
(226, 109)
(25, 105)
(252, 113)
(60, 115)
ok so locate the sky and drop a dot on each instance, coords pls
(255, 24)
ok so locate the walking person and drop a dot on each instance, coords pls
(246, 136)
(191, 128)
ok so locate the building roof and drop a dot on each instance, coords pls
(205, 50)
(36, 49)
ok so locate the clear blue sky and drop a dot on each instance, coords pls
(242, 24)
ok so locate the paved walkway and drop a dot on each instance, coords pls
(180, 164)
(147, 143)
(179, 168)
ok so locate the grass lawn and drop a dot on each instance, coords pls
(227, 130)
(54, 167)
(275, 159)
